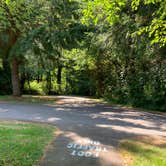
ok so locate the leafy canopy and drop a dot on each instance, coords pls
(105, 11)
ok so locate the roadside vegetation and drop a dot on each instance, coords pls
(23, 144)
(31, 99)
(111, 49)
(144, 151)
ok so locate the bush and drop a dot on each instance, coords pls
(34, 88)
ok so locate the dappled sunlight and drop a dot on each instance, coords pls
(75, 137)
(70, 106)
(128, 113)
(38, 118)
(114, 114)
(110, 158)
(90, 131)
(53, 119)
(60, 109)
(150, 149)
(136, 121)
(49, 120)
(111, 114)
(74, 105)
(133, 130)
(151, 140)
(132, 122)
(43, 97)
(74, 100)
(86, 147)
(3, 110)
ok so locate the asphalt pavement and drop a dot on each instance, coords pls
(89, 131)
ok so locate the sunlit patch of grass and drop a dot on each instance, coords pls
(144, 151)
(29, 99)
(23, 144)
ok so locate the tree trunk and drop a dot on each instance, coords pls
(49, 84)
(59, 78)
(59, 75)
(15, 77)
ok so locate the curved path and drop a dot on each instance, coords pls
(90, 132)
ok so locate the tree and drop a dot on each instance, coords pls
(127, 41)
(55, 28)
(63, 31)
(154, 21)
(98, 11)
(17, 19)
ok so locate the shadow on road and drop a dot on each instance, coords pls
(83, 118)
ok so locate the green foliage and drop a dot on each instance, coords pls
(20, 15)
(114, 49)
(144, 152)
(129, 69)
(23, 144)
(19, 19)
(156, 23)
(101, 12)
(98, 11)
(79, 67)
(34, 88)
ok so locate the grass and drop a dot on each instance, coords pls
(144, 151)
(29, 99)
(23, 144)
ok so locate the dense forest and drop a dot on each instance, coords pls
(114, 49)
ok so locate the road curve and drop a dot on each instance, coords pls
(90, 132)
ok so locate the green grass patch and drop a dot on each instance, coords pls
(23, 144)
(29, 99)
(144, 151)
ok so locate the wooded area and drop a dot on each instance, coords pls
(113, 49)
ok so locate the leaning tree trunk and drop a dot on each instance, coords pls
(15, 77)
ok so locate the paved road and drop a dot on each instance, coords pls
(90, 132)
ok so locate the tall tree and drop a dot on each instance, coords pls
(131, 35)
(64, 31)
(110, 12)
(17, 19)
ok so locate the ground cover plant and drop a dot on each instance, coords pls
(23, 144)
(144, 151)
